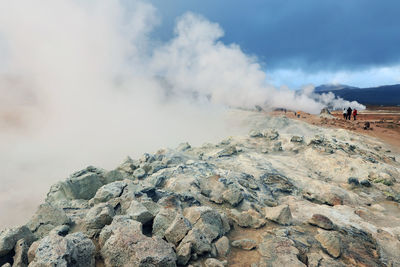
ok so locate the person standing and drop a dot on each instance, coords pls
(354, 114)
(344, 113)
(349, 110)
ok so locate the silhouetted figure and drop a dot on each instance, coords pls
(349, 110)
(355, 114)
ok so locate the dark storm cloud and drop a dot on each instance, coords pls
(310, 34)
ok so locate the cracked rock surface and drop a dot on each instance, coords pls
(286, 194)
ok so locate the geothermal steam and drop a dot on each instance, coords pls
(82, 82)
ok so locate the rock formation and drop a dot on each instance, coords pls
(291, 195)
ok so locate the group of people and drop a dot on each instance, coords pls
(348, 112)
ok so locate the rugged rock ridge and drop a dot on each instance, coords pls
(325, 198)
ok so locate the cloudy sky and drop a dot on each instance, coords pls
(89, 82)
(299, 42)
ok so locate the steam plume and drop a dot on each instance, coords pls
(82, 82)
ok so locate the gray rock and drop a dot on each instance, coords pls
(277, 183)
(320, 260)
(163, 220)
(128, 165)
(271, 134)
(151, 206)
(119, 221)
(32, 251)
(46, 218)
(207, 220)
(108, 191)
(317, 140)
(330, 241)
(97, 217)
(249, 218)
(211, 187)
(178, 229)
(233, 196)
(198, 240)
(280, 214)
(256, 133)
(246, 244)
(297, 139)
(184, 147)
(353, 181)
(213, 252)
(183, 253)
(9, 237)
(223, 247)
(139, 212)
(124, 234)
(113, 176)
(211, 262)
(277, 146)
(226, 223)
(365, 183)
(227, 152)
(61, 230)
(139, 173)
(81, 185)
(72, 250)
(278, 251)
(146, 157)
(321, 221)
(21, 253)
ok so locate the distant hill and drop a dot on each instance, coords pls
(387, 95)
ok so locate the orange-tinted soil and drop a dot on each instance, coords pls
(384, 122)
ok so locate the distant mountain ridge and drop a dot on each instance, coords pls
(387, 95)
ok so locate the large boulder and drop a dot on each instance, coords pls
(208, 221)
(108, 191)
(178, 229)
(233, 196)
(72, 250)
(123, 244)
(46, 218)
(9, 237)
(199, 242)
(81, 185)
(98, 216)
(139, 212)
(163, 220)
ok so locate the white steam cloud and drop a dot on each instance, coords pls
(81, 82)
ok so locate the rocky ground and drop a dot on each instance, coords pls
(384, 122)
(287, 194)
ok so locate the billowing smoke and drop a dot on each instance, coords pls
(82, 82)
